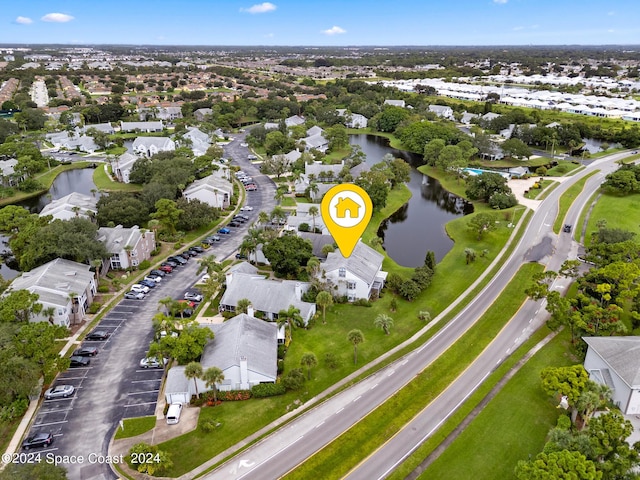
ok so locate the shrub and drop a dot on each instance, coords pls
(155, 251)
(143, 452)
(94, 307)
(541, 170)
(234, 395)
(208, 426)
(280, 366)
(14, 410)
(282, 351)
(394, 281)
(331, 360)
(144, 265)
(303, 227)
(362, 302)
(294, 379)
(264, 390)
(424, 315)
(501, 200)
(103, 288)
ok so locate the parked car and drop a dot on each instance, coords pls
(77, 361)
(242, 215)
(98, 335)
(153, 278)
(186, 313)
(212, 238)
(193, 296)
(166, 268)
(169, 263)
(153, 362)
(238, 218)
(86, 352)
(157, 273)
(246, 208)
(241, 256)
(148, 283)
(251, 188)
(224, 230)
(204, 278)
(38, 440)
(134, 296)
(234, 224)
(59, 391)
(251, 157)
(136, 287)
(197, 249)
(186, 255)
(178, 260)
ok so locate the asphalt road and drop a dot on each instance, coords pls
(282, 451)
(113, 386)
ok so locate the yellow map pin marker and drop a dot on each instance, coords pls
(346, 211)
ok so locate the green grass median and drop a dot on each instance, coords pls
(567, 199)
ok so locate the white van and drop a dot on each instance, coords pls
(173, 414)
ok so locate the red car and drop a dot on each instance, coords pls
(166, 268)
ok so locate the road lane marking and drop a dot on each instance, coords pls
(357, 398)
(339, 411)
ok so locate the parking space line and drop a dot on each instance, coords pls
(140, 404)
(140, 393)
(50, 423)
(149, 380)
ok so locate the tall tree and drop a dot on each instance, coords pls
(385, 322)
(193, 370)
(308, 360)
(168, 214)
(212, 376)
(355, 337)
(324, 300)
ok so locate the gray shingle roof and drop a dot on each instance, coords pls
(159, 142)
(364, 262)
(85, 203)
(243, 336)
(622, 354)
(176, 380)
(116, 238)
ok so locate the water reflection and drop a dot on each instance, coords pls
(418, 226)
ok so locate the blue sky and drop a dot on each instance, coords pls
(327, 22)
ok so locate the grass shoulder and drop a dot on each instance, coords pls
(135, 426)
(567, 199)
(619, 212)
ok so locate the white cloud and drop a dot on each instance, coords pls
(23, 20)
(335, 30)
(501, 2)
(260, 8)
(57, 18)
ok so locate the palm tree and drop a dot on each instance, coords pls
(313, 211)
(212, 376)
(324, 299)
(279, 195)
(193, 370)
(278, 214)
(313, 266)
(356, 337)
(384, 321)
(49, 312)
(167, 303)
(313, 190)
(209, 265)
(251, 240)
(309, 360)
(243, 305)
(291, 317)
(263, 218)
(211, 285)
(163, 323)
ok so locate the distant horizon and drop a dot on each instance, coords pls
(330, 23)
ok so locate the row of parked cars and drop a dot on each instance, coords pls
(247, 181)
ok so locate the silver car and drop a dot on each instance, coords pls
(59, 391)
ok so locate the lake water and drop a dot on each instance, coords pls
(67, 182)
(418, 226)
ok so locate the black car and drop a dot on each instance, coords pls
(169, 263)
(186, 313)
(86, 352)
(566, 228)
(234, 224)
(157, 273)
(178, 260)
(190, 253)
(197, 249)
(239, 219)
(38, 440)
(98, 335)
(241, 256)
(77, 361)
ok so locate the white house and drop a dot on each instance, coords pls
(266, 296)
(244, 348)
(202, 113)
(315, 139)
(127, 246)
(395, 103)
(442, 111)
(142, 126)
(101, 127)
(615, 362)
(200, 141)
(8, 174)
(123, 166)
(66, 286)
(149, 146)
(356, 277)
(353, 120)
(73, 205)
(73, 140)
(213, 190)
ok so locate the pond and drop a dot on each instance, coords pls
(67, 182)
(418, 226)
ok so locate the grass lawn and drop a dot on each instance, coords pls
(626, 213)
(116, 150)
(562, 169)
(135, 426)
(534, 193)
(513, 426)
(534, 162)
(105, 184)
(567, 199)
(288, 202)
(341, 455)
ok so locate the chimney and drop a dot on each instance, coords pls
(298, 291)
(244, 371)
(250, 310)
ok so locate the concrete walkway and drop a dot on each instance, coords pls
(519, 186)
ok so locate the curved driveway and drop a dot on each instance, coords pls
(282, 451)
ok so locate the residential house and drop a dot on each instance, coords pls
(149, 146)
(315, 139)
(66, 286)
(356, 277)
(302, 217)
(213, 190)
(353, 120)
(318, 242)
(467, 118)
(317, 172)
(101, 127)
(127, 246)
(294, 120)
(615, 362)
(200, 141)
(267, 297)
(8, 175)
(442, 111)
(201, 114)
(395, 103)
(142, 126)
(123, 165)
(73, 205)
(72, 140)
(244, 348)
